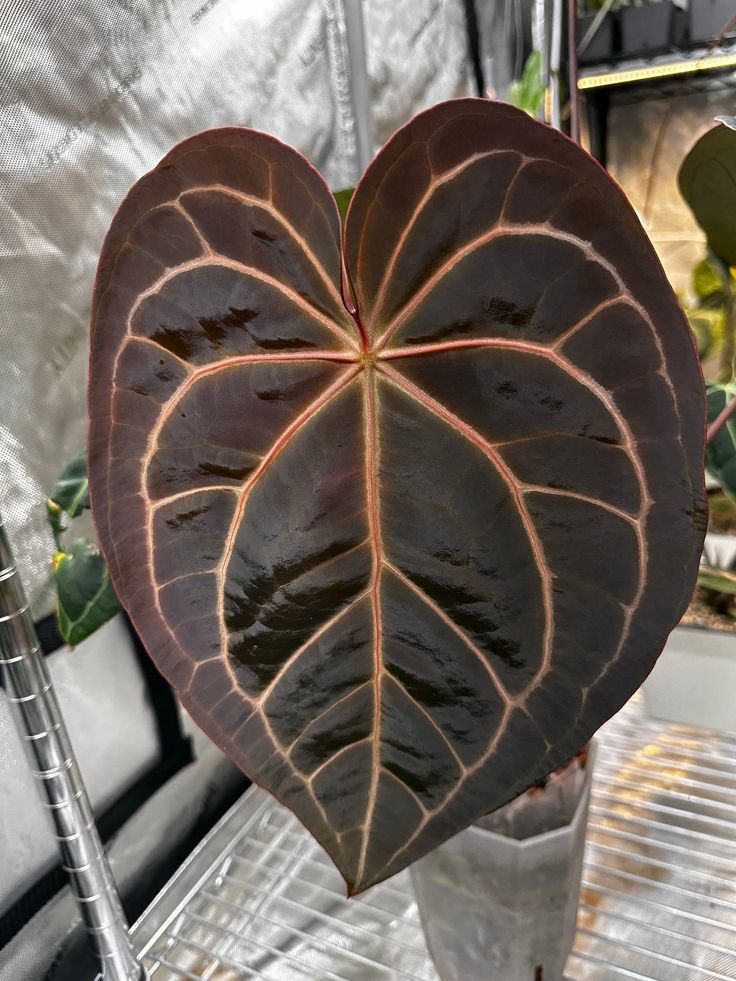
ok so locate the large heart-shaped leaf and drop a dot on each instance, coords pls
(400, 562)
(707, 180)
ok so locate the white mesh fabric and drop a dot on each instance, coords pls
(92, 94)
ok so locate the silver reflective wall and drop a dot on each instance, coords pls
(92, 94)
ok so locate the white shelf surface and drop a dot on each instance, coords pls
(260, 899)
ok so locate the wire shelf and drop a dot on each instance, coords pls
(260, 899)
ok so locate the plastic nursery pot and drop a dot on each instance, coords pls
(708, 18)
(647, 29)
(495, 906)
(694, 680)
(600, 48)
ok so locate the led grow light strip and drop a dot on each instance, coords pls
(708, 63)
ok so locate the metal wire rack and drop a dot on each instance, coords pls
(259, 898)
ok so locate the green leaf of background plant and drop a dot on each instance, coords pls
(719, 580)
(85, 597)
(343, 200)
(708, 280)
(713, 316)
(69, 496)
(528, 92)
(720, 456)
(722, 513)
(702, 326)
(707, 181)
(70, 493)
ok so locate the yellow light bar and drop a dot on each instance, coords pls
(706, 63)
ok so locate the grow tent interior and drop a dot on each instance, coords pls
(92, 95)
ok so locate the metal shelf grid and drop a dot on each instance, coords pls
(259, 898)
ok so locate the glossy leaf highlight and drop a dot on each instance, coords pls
(403, 529)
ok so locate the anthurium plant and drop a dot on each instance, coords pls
(405, 510)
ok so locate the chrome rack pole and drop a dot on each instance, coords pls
(38, 717)
(360, 88)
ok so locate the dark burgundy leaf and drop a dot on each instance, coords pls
(401, 564)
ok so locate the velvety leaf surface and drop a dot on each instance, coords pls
(399, 565)
(707, 181)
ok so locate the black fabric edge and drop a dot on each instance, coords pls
(471, 24)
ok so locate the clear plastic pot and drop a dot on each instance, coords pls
(502, 908)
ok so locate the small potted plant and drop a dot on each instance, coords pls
(511, 882)
(646, 28)
(709, 19)
(355, 485)
(694, 680)
(597, 32)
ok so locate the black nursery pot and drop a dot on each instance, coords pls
(601, 46)
(646, 30)
(708, 18)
